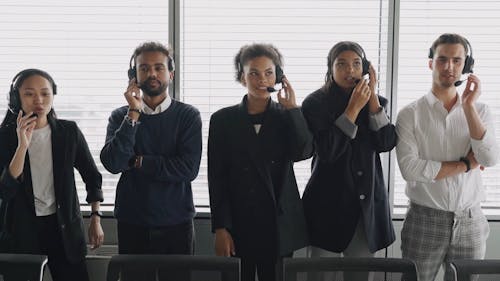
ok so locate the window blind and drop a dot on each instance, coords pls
(212, 31)
(86, 46)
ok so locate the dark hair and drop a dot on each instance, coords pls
(449, 38)
(152, 46)
(333, 54)
(15, 99)
(249, 52)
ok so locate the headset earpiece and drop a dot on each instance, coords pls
(239, 74)
(171, 64)
(279, 74)
(469, 64)
(366, 65)
(132, 71)
(14, 103)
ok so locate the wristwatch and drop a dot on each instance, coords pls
(466, 162)
(97, 213)
(138, 110)
(135, 162)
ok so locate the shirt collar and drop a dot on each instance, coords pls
(159, 109)
(432, 100)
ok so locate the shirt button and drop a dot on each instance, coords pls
(359, 173)
(63, 226)
(362, 197)
(59, 206)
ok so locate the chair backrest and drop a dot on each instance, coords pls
(97, 267)
(22, 266)
(292, 266)
(229, 267)
(465, 268)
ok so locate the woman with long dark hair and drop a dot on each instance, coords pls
(38, 154)
(345, 200)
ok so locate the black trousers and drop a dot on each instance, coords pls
(166, 240)
(266, 269)
(51, 245)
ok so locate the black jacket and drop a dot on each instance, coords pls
(346, 180)
(69, 151)
(253, 191)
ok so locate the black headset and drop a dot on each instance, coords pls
(279, 73)
(469, 60)
(14, 98)
(364, 61)
(132, 69)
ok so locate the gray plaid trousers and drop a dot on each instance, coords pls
(432, 238)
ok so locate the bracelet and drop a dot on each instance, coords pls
(135, 162)
(466, 162)
(97, 213)
(131, 121)
(138, 162)
(135, 110)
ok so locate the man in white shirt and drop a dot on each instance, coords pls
(445, 140)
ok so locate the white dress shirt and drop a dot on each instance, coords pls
(42, 172)
(427, 135)
(159, 109)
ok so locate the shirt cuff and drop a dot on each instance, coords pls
(346, 126)
(431, 170)
(94, 195)
(378, 120)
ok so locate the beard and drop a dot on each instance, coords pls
(148, 90)
(447, 84)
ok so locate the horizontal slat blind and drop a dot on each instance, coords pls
(86, 46)
(212, 32)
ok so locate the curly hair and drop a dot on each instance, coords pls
(249, 52)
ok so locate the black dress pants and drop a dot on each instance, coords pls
(266, 269)
(50, 241)
(166, 240)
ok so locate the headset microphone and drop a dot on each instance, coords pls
(459, 82)
(271, 89)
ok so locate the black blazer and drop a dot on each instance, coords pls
(69, 151)
(346, 181)
(253, 191)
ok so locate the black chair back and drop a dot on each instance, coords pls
(292, 266)
(22, 267)
(464, 269)
(178, 265)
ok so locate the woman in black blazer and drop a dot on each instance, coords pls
(345, 201)
(38, 154)
(256, 209)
